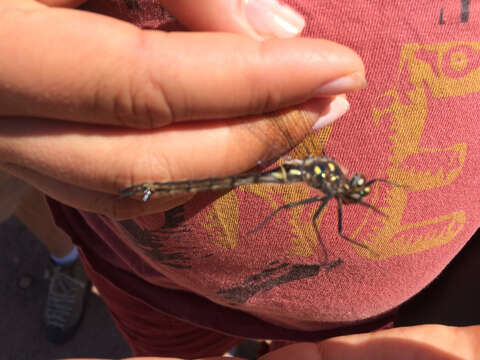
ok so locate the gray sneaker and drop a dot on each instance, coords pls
(68, 290)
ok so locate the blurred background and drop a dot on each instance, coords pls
(23, 293)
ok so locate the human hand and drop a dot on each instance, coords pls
(90, 105)
(424, 342)
(409, 343)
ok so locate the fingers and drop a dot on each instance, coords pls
(108, 159)
(417, 342)
(101, 70)
(259, 19)
(97, 202)
(63, 3)
(85, 160)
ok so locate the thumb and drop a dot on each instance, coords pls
(259, 19)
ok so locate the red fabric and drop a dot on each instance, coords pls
(415, 124)
(149, 331)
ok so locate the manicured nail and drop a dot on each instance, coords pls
(351, 82)
(271, 19)
(338, 107)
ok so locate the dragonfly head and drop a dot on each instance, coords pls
(357, 188)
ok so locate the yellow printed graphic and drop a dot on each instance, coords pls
(441, 71)
(222, 221)
(438, 71)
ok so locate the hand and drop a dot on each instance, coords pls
(409, 343)
(90, 105)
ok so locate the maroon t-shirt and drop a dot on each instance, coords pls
(415, 124)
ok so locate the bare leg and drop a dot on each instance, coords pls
(33, 211)
(69, 285)
(12, 191)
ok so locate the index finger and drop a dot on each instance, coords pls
(90, 68)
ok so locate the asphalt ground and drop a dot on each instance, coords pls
(23, 292)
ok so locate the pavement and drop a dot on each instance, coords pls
(23, 292)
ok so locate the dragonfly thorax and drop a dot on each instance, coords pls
(325, 175)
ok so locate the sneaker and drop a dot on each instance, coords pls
(68, 290)
(247, 349)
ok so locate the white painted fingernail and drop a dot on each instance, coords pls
(338, 107)
(269, 18)
(347, 83)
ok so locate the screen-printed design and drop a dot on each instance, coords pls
(425, 72)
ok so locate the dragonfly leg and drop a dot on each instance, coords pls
(340, 229)
(284, 207)
(367, 205)
(328, 266)
(325, 200)
(389, 182)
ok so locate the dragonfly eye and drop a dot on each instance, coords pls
(363, 191)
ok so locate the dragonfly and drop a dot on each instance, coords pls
(319, 172)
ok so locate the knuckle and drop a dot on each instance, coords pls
(264, 97)
(262, 100)
(142, 101)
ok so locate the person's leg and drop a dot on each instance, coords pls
(69, 285)
(33, 211)
(12, 192)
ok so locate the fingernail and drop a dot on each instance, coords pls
(271, 19)
(338, 107)
(351, 82)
